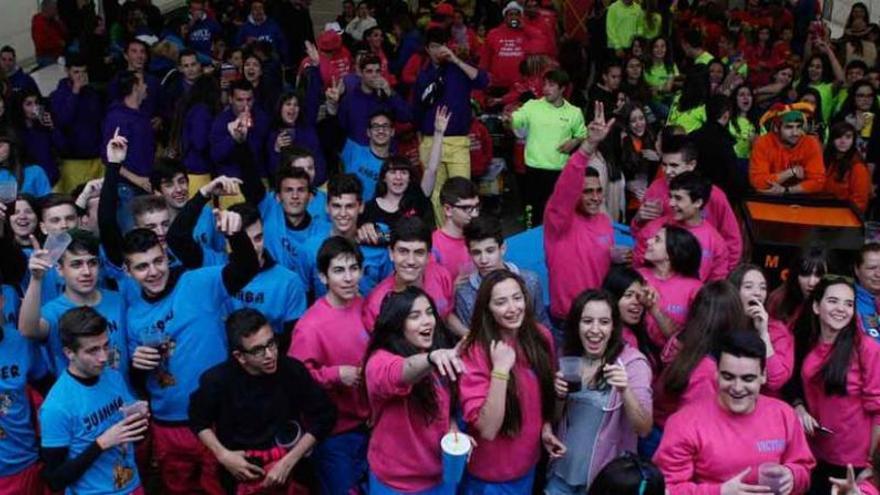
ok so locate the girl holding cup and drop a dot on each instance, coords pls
(507, 396)
(408, 374)
(605, 416)
(29, 179)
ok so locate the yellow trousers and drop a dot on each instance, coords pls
(76, 172)
(455, 161)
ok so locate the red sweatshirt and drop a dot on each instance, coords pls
(481, 148)
(504, 49)
(851, 416)
(717, 212)
(577, 246)
(48, 35)
(705, 445)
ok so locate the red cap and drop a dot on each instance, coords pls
(445, 9)
(329, 41)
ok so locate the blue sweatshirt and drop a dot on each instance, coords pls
(267, 31)
(304, 133)
(34, 180)
(74, 115)
(201, 36)
(195, 140)
(21, 362)
(222, 143)
(276, 292)
(356, 107)
(150, 106)
(456, 97)
(135, 126)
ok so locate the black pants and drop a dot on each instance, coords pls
(819, 484)
(539, 186)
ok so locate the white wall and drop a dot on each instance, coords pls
(836, 11)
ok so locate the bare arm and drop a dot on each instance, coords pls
(430, 175)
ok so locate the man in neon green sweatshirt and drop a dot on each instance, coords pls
(622, 24)
(553, 128)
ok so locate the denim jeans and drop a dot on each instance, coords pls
(341, 461)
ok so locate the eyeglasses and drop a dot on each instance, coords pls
(380, 127)
(864, 95)
(468, 208)
(261, 350)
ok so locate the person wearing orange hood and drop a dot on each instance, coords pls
(786, 160)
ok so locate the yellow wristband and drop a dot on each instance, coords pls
(501, 376)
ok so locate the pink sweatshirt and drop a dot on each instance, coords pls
(505, 458)
(717, 212)
(326, 338)
(867, 487)
(715, 261)
(436, 281)
(451, 253)
(404, 450)
(702, 384)
(676, 295)
(705, 445)
(780, 366)
(577, 247)
(852, 416)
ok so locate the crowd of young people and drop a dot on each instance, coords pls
(253, 259)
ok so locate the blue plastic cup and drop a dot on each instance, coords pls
(456, 449)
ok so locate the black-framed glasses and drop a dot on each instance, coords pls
(468, 208)
(382, 127)
(261, 350)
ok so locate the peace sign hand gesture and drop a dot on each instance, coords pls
(597, 130)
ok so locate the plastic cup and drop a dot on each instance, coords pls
(456, 449)
(137, 407)
(288, 435)
(8, 191)
(770, 475)
(572, 368)
(155, 338)
(56, 244)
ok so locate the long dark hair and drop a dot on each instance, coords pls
(278, 122)
(751, 115)
(535, 349)
(388, 335)
(206, 91)
(837, 365)
(668, 62)
(684, 251)
(812, 260)
(716, 310)
(849, 105)
(841, 163)
(616, 282)
(827, 73)
(571, 343)
(396, 162)
(736, 279)
(631, 162)
(629, 475)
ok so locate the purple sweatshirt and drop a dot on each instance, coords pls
(135, 126)
(195, 140)
(222, 143)
(40, 146)
(356, 107)
(456, 97)
(150, 106)
(74, 116)
(267, 31)
(20, 81)
(303, 133)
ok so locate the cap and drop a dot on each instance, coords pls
(513, 5)
(329, 41)
(444, 9)
(333, 26)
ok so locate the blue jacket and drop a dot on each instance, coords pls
(74, 116)
(222, 143)
(267, 31)
(195, 140)
(356, 107)
(40, 146)
(135, 126)
(866, 308)
(456, 97)
(201, 36)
